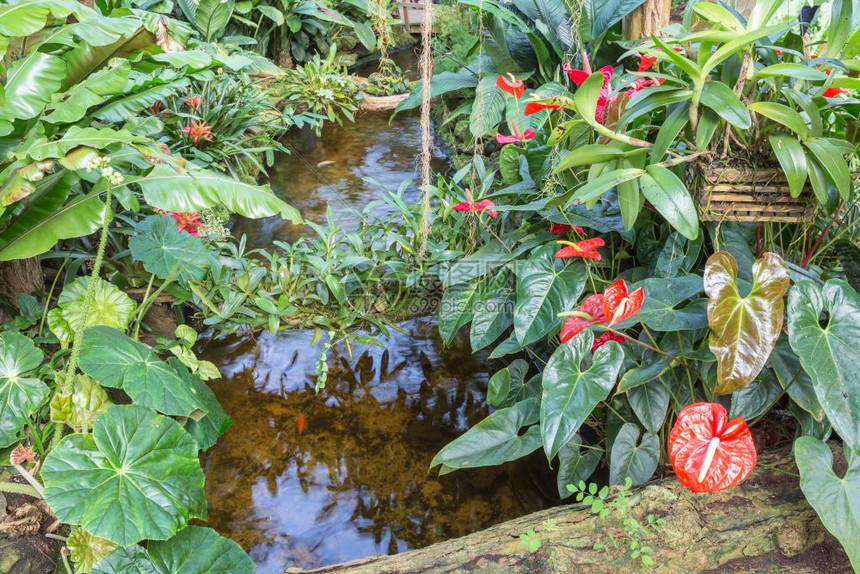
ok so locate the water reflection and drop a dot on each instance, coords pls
(332, 171)
(356, 482)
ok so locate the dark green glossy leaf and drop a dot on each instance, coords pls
(633, 456)
(792, 160)
(744, 330)
(545, 287)
(782, 114)
(650, 403)
(660, 309)
(135, 477)
(794, 379)
(494, 440)
(756, 398)
(504, 381)
(670, 197)
(575, 463)
(493, 312)
(828, 353)
(835, 499)
(833, 163)
(571, 391)
(720, 98)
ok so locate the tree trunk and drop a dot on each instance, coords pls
(20, 276)
(763, 525)
(647, 19)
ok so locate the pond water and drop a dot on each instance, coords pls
(356, 481)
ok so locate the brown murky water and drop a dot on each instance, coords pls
(356, 482)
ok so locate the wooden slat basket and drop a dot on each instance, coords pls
(749, 194)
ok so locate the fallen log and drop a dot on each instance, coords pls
(764, 525)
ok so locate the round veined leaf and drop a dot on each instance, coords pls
(135, 477)
(829, 353)
(87, 549)
(164, 250)
(115, 360)
(20, 396)
(571, 392)
(111, 307)
(194, 550)
(744, 330)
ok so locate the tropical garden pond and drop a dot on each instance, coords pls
(371, 286)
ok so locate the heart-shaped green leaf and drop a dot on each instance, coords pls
(650, 403)
(493, 312)
(664, 308)
(633, 457)
(835, 499)
(744, 330)
(114, 360)
(195, 550)
(575, 463)
(494, 440)
(829, 353)
(570, 392)
(135, 477)
(545, 287)
(20, 395)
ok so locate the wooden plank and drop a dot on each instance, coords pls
(758, 198)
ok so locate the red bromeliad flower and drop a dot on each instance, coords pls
(516, 136)
(709, 452)
(833, 92)
(193, 103)
(646, 62)
(535, 107)
(618, 304)
(197, 131)
(188, 222)
(477, 206)
(605, 338)
(585, 249)
(573, 326)
(512, 86)
(579, 76)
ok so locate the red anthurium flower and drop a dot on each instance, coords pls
(584, 249)
(516, 136)
(618, 304)
(188, 222)
(833, 92)
(646, 62)
(477, 206)
(573, 326)
(511, 85)
(558, 228)
(579, 76)
(535, 107)
(605, 338)
(708, 451)
(198, 131)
